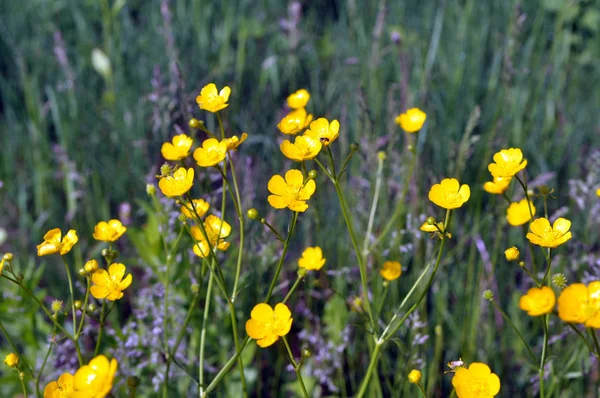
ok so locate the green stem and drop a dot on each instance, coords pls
(543, 357)
(203, 332)
(213, 384)
(295, 366)
(101, 331)
(592, 333)
(378, 180)
(330, 155)
(372, 365)
(286, 244)
(238, 268)
(70, 282)
(531, 354)
(16, 351)
(22, 384)
(84, 308)
(37, 380)
(298, 280)
(422, 390)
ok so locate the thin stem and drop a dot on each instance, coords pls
(295, 366)
(70, 282)
(422, 390)
(531, 354)
(23, 385)
(83, 309)
(330, 155)
(203, 331)
(543, 357)
(378, 180)
(213, 384)
(286, 244)
(526, 197)
(372, 365)
(589, 346)
(37, 380)
(325, 170)
(238, 268)
(592, 333)
(298, 280)
(15, 350)
(101, 331)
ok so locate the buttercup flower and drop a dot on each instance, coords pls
(477, 381)
(512, 253)
(95, 380)
(498, 186)
(216, 231)
(200, 205)
(412, 120)
(390, 270)
(179, 183)
(211, 153)
(295, 121)
(266, 325)
(518, 213)
(538, 301)
(110, 285)
(11, 360)
(299, 99)
(291, 192)
(211, 100)
(234, 142)
(449, 194)
(324, 131)
(109, 231)
(312, 258)
(303, 148)
(61, 388)
(581, 304)
(508, 162)
(542, 234)
(54, 244)
(178, 149)
(415, 376)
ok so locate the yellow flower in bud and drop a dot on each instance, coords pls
(449, 194)
(518, 213)
(538, 301)
(178, 149)
(211, 153)
(211, 100)
(498, 186)
(415, 376)
(312, 259)
(477, 381)
(299, 99)
(508, 162)
(291, 192)
(234, 142)
(11, 360)
(179, 183)
(425, 227)
(412, 120)
(295, 121)
(216, 232)
(581, 304)
(391, 270)
(542, 234)
(303, 148)
(200, 205)
(91, 266)
(54, 244)
(110, 284)
(109, 231)
(95, 380)
(324, 131)
(63, 387)
(266, 325)
(512, 254)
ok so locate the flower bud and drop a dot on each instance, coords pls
(521, 264)
(263, 220)
(22, 375)
(78, 304)
(354, 147)
(92, 308)
(253, 214)
(150, 190)
(12, 360)
(7, 257)
(381, 155)
(91, 266)
(488, 295)
(415, 376)
(313, 174)
(305, 353)
(512, 254)
(430, 221)
(82, 272)
(195, 123)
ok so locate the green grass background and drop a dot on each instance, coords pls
(75, 143)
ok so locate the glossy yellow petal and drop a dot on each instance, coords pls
(277, 185)
(99, 291)
(262, 313)
(124, 284)
(225, 93)
(209, 90)
(53, 236)
(267, 341)
(282, 312)
(297, 205)
(294, 177)
(255, 329)
(46, 248)
(299, 99)
(116, 271)
(561, 225)
(308, 190)
(573, 303)
(411, 121)
(518, 213)
(278, 202)
(493, 384)
(51, 389)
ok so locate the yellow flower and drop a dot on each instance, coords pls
(477, 381)
(581, 304)
(542, 234)
(200, 205)
(211, 153)
(110, 285)
(266, 325)
(415, 376)
(234, 142)
(391, 270)
(95, 380)
(598, 192)
(91, 266)
(412, 120)
(433, 230)
(179, 183)
(109, 231)
(449, 194)
(303, 148)
(295, 121)
(11, 360)
(54, 244)
(538, 301)
(61, 388)
(299, 99)
(216, 231)
(312, 258)
(518, 213)
(211, 100)
(324, 131)
(508, 162)
(291, 192)
(512, 254)
(178, 149)
(498, 186)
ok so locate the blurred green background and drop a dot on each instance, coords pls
(90, 89)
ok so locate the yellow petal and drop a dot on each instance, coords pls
(125, 282)
(282, 312)
(278, 202)
(255, 329)
(479, 370)
(116, 271)
(277, 186)
(224, 93)
(99, 292)
(561, 225)
(294, 177)
(262, 313)
(307, 191)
